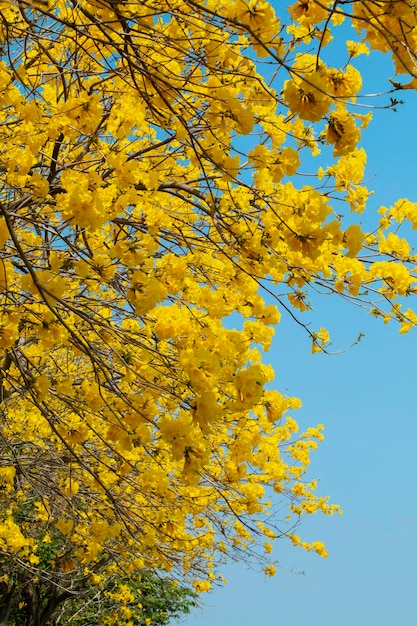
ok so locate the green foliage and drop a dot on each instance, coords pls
(158, 599)
(152, 600)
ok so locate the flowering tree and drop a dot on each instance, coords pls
(144, 597)
(150, 189)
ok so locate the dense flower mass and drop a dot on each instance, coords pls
(150, 189)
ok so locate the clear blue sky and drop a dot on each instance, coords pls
(366, 398)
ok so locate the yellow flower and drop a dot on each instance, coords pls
(202, 586)
(355, 48)
(7, 477)
(307, 98)
(270, 570)
(319, 547)
(9, 330)
(344, 83)
(342, 132)
(65, 526)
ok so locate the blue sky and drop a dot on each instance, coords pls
(368, 461)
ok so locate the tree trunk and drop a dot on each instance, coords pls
(6, 600)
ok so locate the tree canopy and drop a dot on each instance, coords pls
(155, 223)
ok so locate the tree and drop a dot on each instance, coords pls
(141, 599)
(150, 189)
